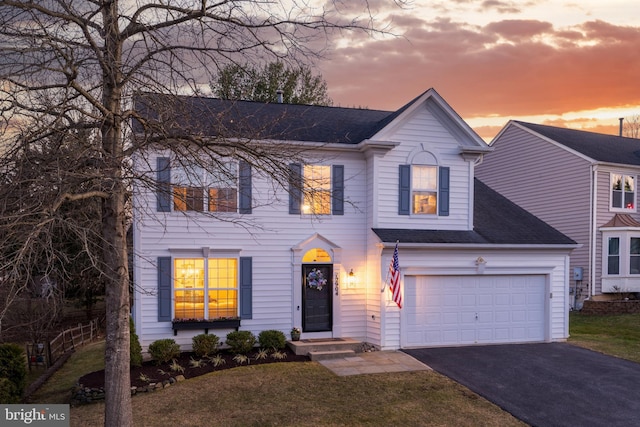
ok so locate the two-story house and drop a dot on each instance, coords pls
(475, 268)
(583, 184)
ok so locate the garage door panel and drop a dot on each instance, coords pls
(459, 310)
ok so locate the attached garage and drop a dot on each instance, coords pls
(476, 309)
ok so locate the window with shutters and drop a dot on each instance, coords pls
(195, 188)
(317, 190)
(424, 190)
(205, 288)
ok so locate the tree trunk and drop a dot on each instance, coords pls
(118, 410)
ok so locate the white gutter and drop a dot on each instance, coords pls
(456, 246)
(592, 235)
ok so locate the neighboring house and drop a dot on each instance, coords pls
(475, 268)
(583, 184)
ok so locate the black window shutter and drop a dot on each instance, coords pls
(244, 188)
(164, 289)
(443, 191)
(337, 190)
(246, 285)
(404, 192)
(295, 188)
(163, 191)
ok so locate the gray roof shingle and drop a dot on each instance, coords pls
(497, 220)
(257, 120)
(597, 146)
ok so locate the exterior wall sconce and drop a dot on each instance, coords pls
(351, 280)
(480, 264)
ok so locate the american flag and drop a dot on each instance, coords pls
(394, 273)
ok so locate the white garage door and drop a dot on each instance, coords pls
(462, 310)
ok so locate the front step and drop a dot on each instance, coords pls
(306, 346)
(328, 355)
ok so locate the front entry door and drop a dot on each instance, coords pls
(317, 291)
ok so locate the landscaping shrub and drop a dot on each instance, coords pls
(272, 339)
(135, 355)
(164, 350)
(241, 342)
(13, 373)
(205, 344)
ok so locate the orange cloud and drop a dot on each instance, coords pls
(506, 68)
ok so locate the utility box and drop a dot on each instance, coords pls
(577, 273)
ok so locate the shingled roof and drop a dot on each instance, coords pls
(597, 146)
(256, 120)
(496, 219)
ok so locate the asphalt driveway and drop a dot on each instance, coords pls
(554, 384)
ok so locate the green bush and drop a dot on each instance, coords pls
(241, 342)
(272, 339)
(164, 350)
(13, 369)
(135, 352)
(205, 345)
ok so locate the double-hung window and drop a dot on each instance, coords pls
(184, 186)
(205, 288)
(423, 190)
(192, 185)
(623, 192)
(317, 189)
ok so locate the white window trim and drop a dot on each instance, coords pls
(635, 192)
(412, 212)
(625, 281)
(204, 253)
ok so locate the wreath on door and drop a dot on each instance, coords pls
(316, 280)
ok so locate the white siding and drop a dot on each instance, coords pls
(422, 129)
(517, 262)
(268, 236)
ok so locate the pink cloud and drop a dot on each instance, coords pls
(481, 77)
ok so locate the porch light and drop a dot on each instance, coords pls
(480, 264)
(351, 280)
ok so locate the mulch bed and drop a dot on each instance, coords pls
(157, 373)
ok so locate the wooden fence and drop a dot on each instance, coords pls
(46, 354)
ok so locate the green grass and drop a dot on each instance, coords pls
(286, 394)
(58, 388)
(308, 394)
(614, 335)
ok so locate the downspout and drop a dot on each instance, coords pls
(592, 235)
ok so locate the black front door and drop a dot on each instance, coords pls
(317, 291)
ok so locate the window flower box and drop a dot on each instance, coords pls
(203, 324)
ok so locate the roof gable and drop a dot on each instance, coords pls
(595, 146)
(466, 137)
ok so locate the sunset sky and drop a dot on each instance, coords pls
(569, 63)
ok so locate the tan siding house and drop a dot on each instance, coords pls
(580, 183)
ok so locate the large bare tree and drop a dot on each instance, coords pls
(73, 66)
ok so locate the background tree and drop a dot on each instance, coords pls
(631, 127)
(252, 83)
(70, 66)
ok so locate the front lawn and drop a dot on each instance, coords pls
(287, 394)
(614, 335)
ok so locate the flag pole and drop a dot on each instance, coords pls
(386, 280)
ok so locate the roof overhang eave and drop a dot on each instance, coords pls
(492, 246)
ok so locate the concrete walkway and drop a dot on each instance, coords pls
(374, 362)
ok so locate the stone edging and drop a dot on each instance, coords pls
(81, 395)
